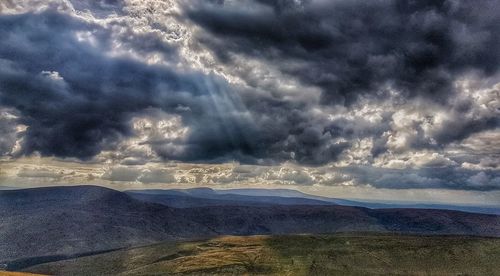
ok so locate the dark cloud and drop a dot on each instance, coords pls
(99, 8)
(77, 93)
(348, 48)
(77, 100)
(425, 178)
(82, 110)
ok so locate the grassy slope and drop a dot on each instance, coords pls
(296, 255)
(8, 273)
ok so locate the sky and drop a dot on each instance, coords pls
(381, 100)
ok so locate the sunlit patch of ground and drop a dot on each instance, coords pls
(341, 254)
(9, 273)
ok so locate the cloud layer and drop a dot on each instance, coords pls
(393, 94)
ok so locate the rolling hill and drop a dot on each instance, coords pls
(73, 220)
(53, 223)
(188, 200)
(338, 254)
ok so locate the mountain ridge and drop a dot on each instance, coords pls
(77, 219)
(317, 200)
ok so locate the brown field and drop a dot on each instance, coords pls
(9, 273)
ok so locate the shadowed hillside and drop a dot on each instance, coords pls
(73, 220)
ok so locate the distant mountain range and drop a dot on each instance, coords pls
(199, 197)
(53, 223)
(205, 197)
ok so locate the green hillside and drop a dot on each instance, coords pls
(341, 254)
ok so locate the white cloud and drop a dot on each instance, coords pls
(414, 160)
(121, 174)
(482, 179)
(39, 173)
(11, 132)
(156, 176)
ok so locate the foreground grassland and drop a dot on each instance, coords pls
(295, 255)
(8, 273)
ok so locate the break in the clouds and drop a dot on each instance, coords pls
(390, 94)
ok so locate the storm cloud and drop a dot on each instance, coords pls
(76, 100)
(349, 48)
(394, 94)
